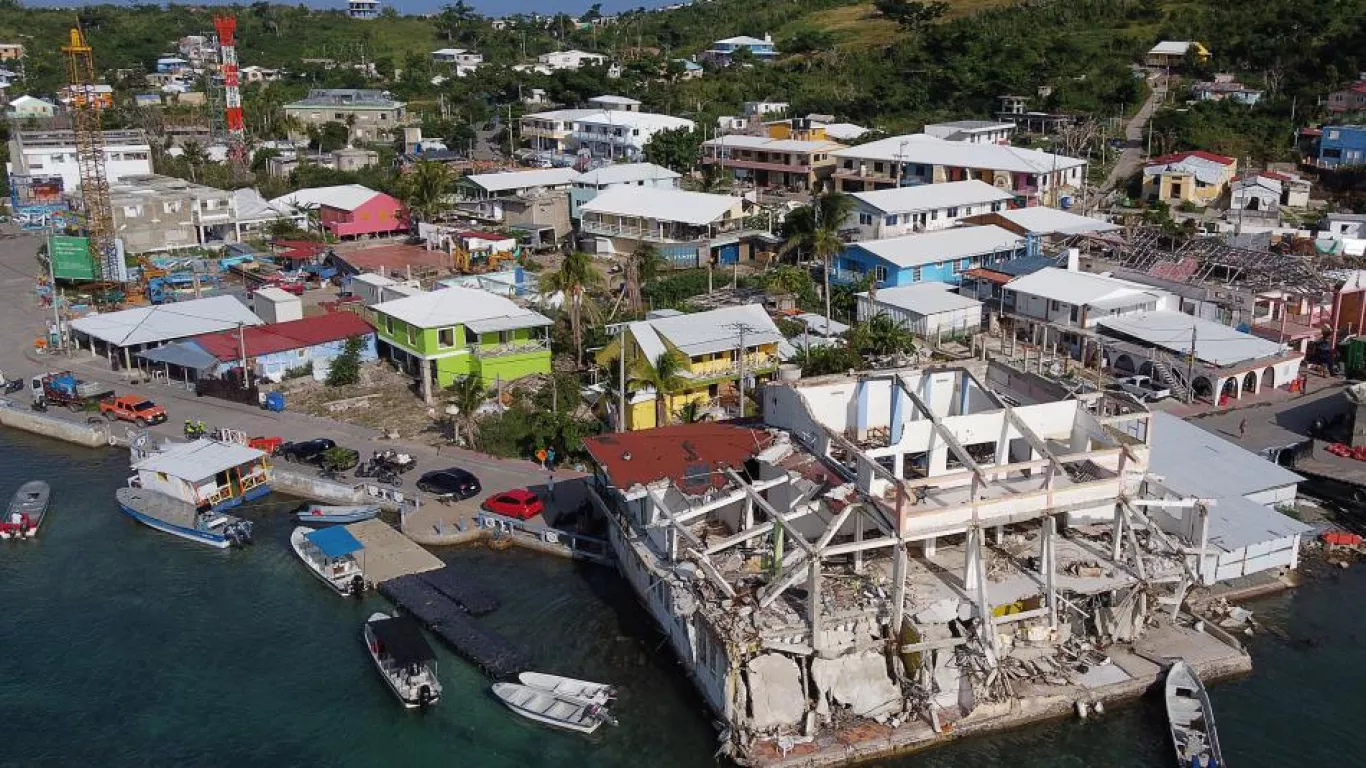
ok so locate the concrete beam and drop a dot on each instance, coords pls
(944, 432)
(663, 508)
(933, 645)
(753, 532)
(710, 569)
(695, 512)
(834, 527)
(794, 574)
(773, 514)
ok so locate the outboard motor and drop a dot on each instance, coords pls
(357, 586)
(424, 696)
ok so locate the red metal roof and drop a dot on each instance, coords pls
(684, 453)
(300, 245)
(486, 235)
(1177, 157)
(280, 337)
(990, 275)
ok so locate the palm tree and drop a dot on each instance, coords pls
(881, 335)
(467, 395)
(424, 188)
(350, 127)
(815, 229)
(575, 277)
(194, 157)
(309, 213)
(691, 412)
(665, 374)
(643, 266)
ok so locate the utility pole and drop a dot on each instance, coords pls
(242, 350)
(621, 389)
(1190, 372)
(742, 329)
(56, 300)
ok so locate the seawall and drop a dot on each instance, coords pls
(90, 435)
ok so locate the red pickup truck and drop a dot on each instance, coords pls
(138, 410)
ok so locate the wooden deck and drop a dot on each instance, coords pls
(389, 554)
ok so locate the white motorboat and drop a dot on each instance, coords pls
(403, 658)
(558, 711)
(330, 554)
(1192, 719)
(600, 694)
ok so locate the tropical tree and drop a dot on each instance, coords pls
(345, 368)
(881, 335)
(309, 213)
(467, 395)
(665, 374)
(814, 230)
(691, 412)
(194, 156)
(424, 188)
(642, 266)
(575, 277)
(676, 149)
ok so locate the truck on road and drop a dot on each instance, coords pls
(134, 408)
(63, 388)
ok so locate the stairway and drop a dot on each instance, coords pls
(1164, 374)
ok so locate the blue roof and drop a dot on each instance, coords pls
(186, 354)
(334, 542)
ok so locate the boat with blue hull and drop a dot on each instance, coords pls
(179, 518)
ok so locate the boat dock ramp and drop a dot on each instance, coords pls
(389, 554)
(429, 597)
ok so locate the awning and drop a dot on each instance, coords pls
(185, 354)
(334, 542)
(401, 640)
(509, 322)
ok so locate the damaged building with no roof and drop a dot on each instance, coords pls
(896, 555)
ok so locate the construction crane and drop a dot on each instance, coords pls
(226, 26)
(99, 215)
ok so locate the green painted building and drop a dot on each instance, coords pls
(452, 333)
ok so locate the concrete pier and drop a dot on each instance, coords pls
(90, 435)
(389, 554)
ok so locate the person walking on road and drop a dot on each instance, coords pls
(550, 486)
(1242, 429)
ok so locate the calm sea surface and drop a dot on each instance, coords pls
(121, 646)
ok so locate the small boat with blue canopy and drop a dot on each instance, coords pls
(331, 555)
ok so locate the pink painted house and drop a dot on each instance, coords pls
(350, 211)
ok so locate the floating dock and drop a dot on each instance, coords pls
(488, 650)
(468, 592)
(389, 554)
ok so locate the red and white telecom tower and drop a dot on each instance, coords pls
(226, 26)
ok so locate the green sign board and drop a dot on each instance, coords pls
(71, 258)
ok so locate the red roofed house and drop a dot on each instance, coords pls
(1196, 177)
(350, 210)
(1349, 99)
(274, 349)
(690, 456)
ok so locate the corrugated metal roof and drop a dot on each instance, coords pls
(772, 145)
(1214, 343)
(716, 330)
(166, 322)
(920, 148)
(345, 197)
(943, 245)
(198, 460)
(1042, 220)
(502, 182)
(457, 306)
(690, 455)
(927, 197)
(1077, 288)
(281, 337)
(924, 298)
(622, 173)
(697, 208)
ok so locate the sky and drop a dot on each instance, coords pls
(486, 7)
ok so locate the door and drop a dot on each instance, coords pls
(729, 254)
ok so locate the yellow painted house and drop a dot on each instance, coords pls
(1199, 178)
(710, 342)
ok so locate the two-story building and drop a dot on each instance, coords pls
(1034, 177)
(163, 213)
(710, 345)
(768, 163)
(369, 114)
(901, 211)
(349, 211)
(453, 333)
(1349, 99)
(99, 95)
(29, 108)
(1342, 145)
(11, 51)
(941, 256)
(537, 201)
(364, 10)
(551, 131)
(463, 61)
(1225, 87)
(52, 155)
(972, 131)
(1061, 307)
(571, 59)
(593, 183)
(619, 134)
(1196, 177)
(690, 229)
(722, 52)
(1171, 54)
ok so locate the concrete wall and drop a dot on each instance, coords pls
(18, 417)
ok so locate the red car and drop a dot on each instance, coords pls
(521, 504)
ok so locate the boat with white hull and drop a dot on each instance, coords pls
(403, 658)
(1191, 717)
(600, 694)
(180, 518)
(329, 554)
(322, 514)
(26, 511)
(550, 709)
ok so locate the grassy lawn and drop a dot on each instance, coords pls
(860, 26)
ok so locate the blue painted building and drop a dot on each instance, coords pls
(941, 257)
(722, 51)
(1342, 145)
(274, 349)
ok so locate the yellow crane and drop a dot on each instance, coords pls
(86, 106)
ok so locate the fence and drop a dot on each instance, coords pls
(575, 545)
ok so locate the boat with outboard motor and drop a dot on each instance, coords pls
(330, 554)
(551, 709)
(403, 658)
(569, 688)
(26, 511)
(315, 514)
(181, 518)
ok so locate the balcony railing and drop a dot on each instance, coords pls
(761, 165)
(513, 348)
(667, 235)
(712, 369)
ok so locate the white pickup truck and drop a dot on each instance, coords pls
(1143, 387)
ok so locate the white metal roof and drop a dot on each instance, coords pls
(943, 245)
(610, 99)
(927, 197)
(563, 115)
(645, 120)
(1171, 48)
(277, 295)
(198, 460)
(924, 298)
(843, 131)
(741, 141)
(622, 173)
(459, 306)
(166, 322)
(698, 208)
(920, 148)
(373, 278)
(345, 197)
(251, 206)
(820, 324)
(1043, 220)
(502, 182)
(1077, 288)
(448, 51)
(701, 333)
(1214, 343)
(744, 40)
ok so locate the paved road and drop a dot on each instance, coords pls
(22, 320)
(1132, 156)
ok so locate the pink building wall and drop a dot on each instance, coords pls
(380, 214)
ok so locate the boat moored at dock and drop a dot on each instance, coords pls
(403, 658)
(179, 518)
(600, 694)
(322, 514)
(330, 554)
(26, 511)
(551, 709)
(1191, 717)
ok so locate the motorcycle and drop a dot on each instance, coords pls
(13, 385)
(393, 461)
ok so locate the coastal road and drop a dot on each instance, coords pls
(22, 320)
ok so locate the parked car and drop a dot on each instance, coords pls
(521, 503)
(451, 483)
(134, 408)
(1143, 388)
(307, 451)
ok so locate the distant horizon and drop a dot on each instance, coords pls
(490, 8)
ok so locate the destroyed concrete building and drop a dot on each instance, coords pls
(896, 551)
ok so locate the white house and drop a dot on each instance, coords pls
(572, 59)
(619, 134)
(29, 107)
(972, 131)
(1078, 300)
(925, 309)
(464, 61)
(48, 154)
(553, 130)
(609, 103)
(905, 210)
(589, 185)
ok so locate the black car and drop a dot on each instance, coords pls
(307, 451)
(454, 483)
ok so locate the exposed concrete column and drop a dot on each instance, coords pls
(898, 584)
(1049, 531)
(813, 589)
(1257, 382)
(972, 557)
(899, 465)
(1337, 319)
(1238, 386)
(1117, 533)
(858, 538)
(424, 371)
(1000, 535)
(928, 546)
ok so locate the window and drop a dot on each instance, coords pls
(957, 266)
(890, 221)
(865, 219)
(877, 167)
(338, 116)
(1054, 305)
(445, 337)
(505, 337)
(915, 274)
(953, 212)
(1075, 313)
(412, 335)
(934, 215)
(1334, 135)
(880, 274)
(389, 325)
